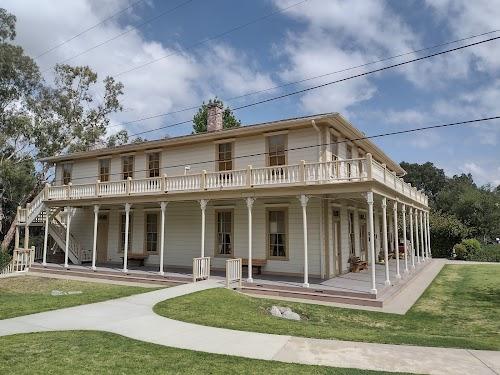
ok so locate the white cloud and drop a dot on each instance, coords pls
(181, 80)
(482, 173)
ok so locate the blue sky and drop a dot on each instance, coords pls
(309, 38)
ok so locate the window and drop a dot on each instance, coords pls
(224, 238)
(334, 147)
(67, 168)
(122, 231)
(349, 157)
(104, 167)
(152, 232)
(351, 234)
(154, 164)
(276, 145)
(127, 167)
(277, 233)
(225, 156)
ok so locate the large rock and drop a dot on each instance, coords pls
(275, 311)
(284, 309)
(290, 315)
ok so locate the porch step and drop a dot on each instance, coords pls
(107, 275)
(358, 299)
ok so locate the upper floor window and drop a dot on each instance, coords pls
(152, 232)
(104, 169)
(334, 147)
(154, 164)
(225, 156)
(67, 169)
(276, 149)
(127, 166)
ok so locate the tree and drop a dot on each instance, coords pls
(426, 177)
(39, 120)
(446, 231)
(200, 118)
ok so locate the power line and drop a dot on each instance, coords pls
(380, 135)
(217, 36)
(329, 83)
(308, 79)
(167, 11)
(89, 29)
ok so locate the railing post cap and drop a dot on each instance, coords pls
(70, 183)
(98, 181)
(129, 178)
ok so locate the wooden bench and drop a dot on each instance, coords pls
(256, 263)
(136, 259)
(357, 264)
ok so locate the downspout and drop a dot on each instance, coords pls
(319, 143)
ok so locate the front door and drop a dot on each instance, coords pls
(102, 238)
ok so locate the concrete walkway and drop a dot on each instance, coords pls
(133, 317)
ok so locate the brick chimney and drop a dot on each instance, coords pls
(214, 118)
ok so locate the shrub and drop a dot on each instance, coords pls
(488, 253)
(446, 230)
(460, 251)
(4, 259)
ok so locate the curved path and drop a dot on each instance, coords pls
(133, 317)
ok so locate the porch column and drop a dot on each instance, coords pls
(163, 207)
(369, 200)
(422, 236)
(250, 202)
(94, 246)
(396, 238)
(26, 235)
(412, 243)
(416, 236)
(403, 210)
(303, 202)
(125, 245)
(385, 242)
(203, 206)
(68, 223)
(429, 233)
(46, 236)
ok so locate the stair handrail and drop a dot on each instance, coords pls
(74, 245)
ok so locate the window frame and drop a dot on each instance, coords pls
(148, 164)
(226, 161)
(268, 150)
(99, 169)
(216, 236)
(283, 209)
(64, 171)
(122, 233)
(128, 173)
(158, 232)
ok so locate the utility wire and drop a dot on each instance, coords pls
(88, 29)
(149, 20)
(380, 135)
(307, 79)
(329, 83)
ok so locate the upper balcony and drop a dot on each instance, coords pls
(302, 174)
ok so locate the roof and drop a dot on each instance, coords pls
(333, 118)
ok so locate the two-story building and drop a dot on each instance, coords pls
(299, 197)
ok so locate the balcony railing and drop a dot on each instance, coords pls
(337, 171)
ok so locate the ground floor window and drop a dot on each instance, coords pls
(277, 233)
(224, 236)
(152, 231)
(122, 231)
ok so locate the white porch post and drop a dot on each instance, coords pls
(385, 242)
(125, 245)
(303, 201)
(411, 240)
(203, 206)
(46, 236)
(429, 233)
(417, 242)
(26, 235)
(250, 202)
(422, 236)
(94, 247)
(369, 200)
(424, 229)
(396, 238)
(68, 223)
(163, 207)
(403, 210)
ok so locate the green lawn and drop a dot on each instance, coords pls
(87, 352)
(460, 309)
(29, 294)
